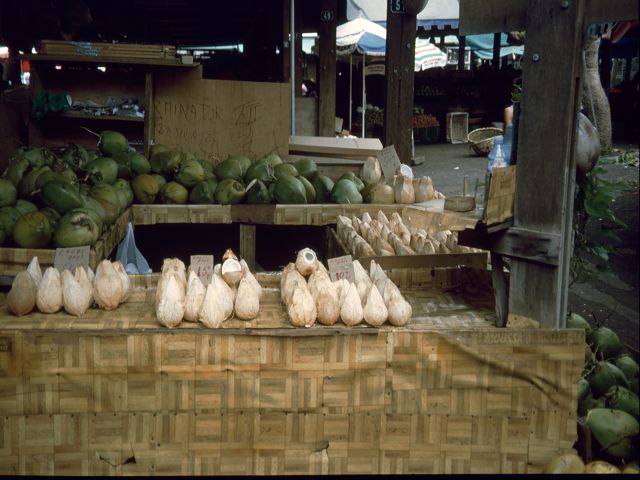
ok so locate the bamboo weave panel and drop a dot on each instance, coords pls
(14, 260)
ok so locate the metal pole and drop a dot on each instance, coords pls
(350, 89)
(364, 94)
(292, 64)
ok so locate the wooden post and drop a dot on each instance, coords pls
(327, 73)
(148, 113)
(248, 244)
(286, 44)
(298, 53)
(462, 45)
(399, 79)
(496, 50)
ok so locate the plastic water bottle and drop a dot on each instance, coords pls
(496, 155)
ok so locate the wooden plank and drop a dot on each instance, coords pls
(84, 59)
(484, 16)
(399, 80)
(545, 65)
(500, 289)
(301, 144)
(216, 118)
(248, 244)
(327, 70)
(496, 51)
(462, 43)
(516, 242)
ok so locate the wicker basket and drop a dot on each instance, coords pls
(482, 139)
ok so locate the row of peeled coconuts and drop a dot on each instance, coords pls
(75, 292)
(382, 236)
(402, 188)
(310, 295)
(182, 295)
(572, 463)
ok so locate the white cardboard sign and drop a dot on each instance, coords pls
(389, 162)
(341, 268)
(70, 258)
(202, 266)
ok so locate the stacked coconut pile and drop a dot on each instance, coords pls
(74, 292)
(182, 295)
(368, 237)
(607, 403)
(309, 295)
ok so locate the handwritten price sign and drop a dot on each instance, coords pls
(389, 162)
(70, 258)
(341, 268)
(202, 266)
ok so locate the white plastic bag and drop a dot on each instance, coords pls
(127, 253)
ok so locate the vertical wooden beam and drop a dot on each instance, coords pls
(298, 55)
(248, 244)
(496, 50)
(327, 73)
(148, 113)
(399, 80)
(286, 44)
(462, 45)
(545, 182)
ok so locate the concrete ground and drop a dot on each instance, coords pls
(607, 299)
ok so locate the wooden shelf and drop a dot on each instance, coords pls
(121, 60)
(84, 116)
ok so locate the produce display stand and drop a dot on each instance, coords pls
(115, 393)
(14, 260)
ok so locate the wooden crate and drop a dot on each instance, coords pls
(117, 394)
(14, 260)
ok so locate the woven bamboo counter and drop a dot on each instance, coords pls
(115, 393)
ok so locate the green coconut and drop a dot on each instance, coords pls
(285, 169)
(8, 193)
(628, 366)
(25, 206)
(589, 403)
(323, 186)
(94, 216)
(156, 149)
(245, 162)
(260, 170)
(289, 190)
(16, 170)
(228, 169)
(47, 177)
(102, 169)
(36, 156)
(606, 343)
(8, 218)
(583, 389)
(108, 197)
(145, 189)
(229, 192)
(259, 193)
(76, 229)
(27, 186)
(345, 192)
(96, 206)
(61, 196)
(380, 193)
(605, 376)
(52, 216)
(76, 156)
(124, 165)
(32, 230)
(166, 162)
(204, 193)
(172, 193)
(190, 173)
(67, 174)
(139, 163)
(308, 188)
(159, 179)
(112, 143)
(123, 186)
(306, 168)
(354, 178)
(615, 431)
(273, 158)
(578, 321)
(207, 167)
(589, 357)
(620, 398)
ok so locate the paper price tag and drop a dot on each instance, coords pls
(389, 163)
(341, 268)
(70, 258)
(202, 266)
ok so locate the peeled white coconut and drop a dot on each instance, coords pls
(177, 267)
(423, 189)
(403, 190)
(22, 297)
(107, 286)
(35, 271)
(217, 305)
(399, 310)
(382, 194)
(76, 297)
(351, 311)
(375, 311)
(49, 295)
(247, 303)
(306, 262)
(371, 173)
(126, 281)
(170, 309)
(193, 298)
(327, 305)
(231, 269)
(302, 309)
(251, 278)
(82, 278)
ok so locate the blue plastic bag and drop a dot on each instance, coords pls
(129, 255)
